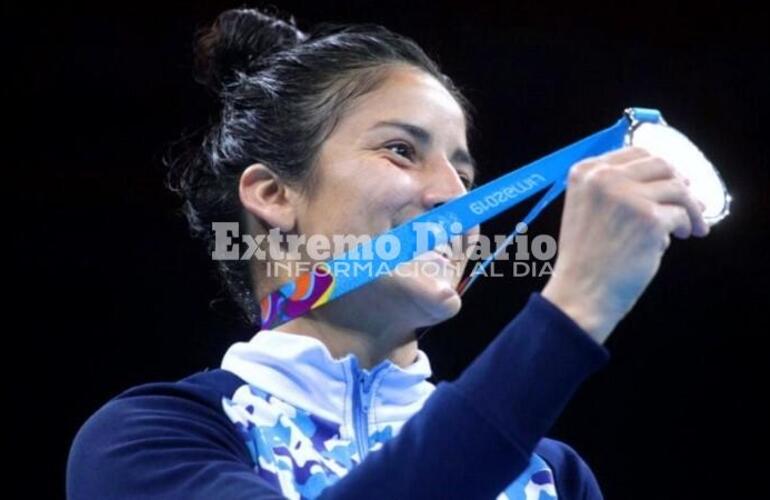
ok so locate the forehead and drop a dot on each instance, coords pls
(410, 95)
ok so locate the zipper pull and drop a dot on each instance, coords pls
(362, 380)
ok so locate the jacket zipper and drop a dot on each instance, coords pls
(362, 400)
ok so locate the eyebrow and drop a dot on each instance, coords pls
(424, 137)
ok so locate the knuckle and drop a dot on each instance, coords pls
(602, 176)
(574, 175)
(604, 173)
(666, 168)
(637, 150)
(580, 170)
(680, 190)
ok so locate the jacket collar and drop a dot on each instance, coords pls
(301, 371)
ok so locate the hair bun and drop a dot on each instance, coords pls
(237, 41)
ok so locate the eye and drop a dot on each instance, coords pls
(467, 181)
(402, 149)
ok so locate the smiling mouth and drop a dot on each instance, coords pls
(434, 255)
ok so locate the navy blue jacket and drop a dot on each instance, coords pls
(266, 425)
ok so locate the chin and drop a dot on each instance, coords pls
(433, 298)
(448, 308)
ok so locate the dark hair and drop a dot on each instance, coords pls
(281, 93)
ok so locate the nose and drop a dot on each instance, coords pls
(442, 183)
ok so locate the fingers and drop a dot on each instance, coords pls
(666, 205)
(609, 163)
(648, 169)
(625, 155)
(675, 220)
(658, 181)
(634, 163)
(675, 192)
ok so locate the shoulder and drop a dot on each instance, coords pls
(206, 388)
(149, 431)
(194, 397)
(573, 477)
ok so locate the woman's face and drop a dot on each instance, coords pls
(397, 152)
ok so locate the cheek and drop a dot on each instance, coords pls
(392, 187)
(392, 199)
(365, 197)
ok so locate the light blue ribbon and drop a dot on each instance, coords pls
(458, 216)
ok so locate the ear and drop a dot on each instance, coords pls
(267, 197)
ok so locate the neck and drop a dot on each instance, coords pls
(371, 339)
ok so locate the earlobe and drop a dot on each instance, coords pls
(267, 197)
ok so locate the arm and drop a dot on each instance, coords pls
(476, 435)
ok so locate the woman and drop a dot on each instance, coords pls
(355, 131)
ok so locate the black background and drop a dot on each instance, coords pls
(108, 291)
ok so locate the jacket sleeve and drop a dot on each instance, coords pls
(473, 437)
